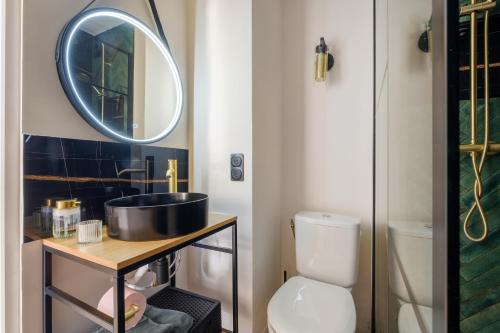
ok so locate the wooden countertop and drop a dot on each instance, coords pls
(117, 254)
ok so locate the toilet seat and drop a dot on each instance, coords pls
(303, 305)
(407, 320)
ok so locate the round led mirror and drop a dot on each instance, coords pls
(120, 76)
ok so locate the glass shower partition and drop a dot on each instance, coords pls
(437, 166)
(403, 166)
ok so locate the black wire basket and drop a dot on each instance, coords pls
(205, 311)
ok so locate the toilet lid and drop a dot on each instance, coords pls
(407, 319)
(303, 305)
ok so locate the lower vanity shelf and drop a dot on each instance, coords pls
(118, 258)
(205, 311)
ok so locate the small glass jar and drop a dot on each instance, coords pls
(65, 216)
(89, 231)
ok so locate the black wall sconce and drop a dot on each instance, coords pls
(324, 61)
(425, 39)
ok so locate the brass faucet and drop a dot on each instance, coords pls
(124, 171)
(144, 171)
(172, 176)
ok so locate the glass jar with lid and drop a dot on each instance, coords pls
(46, 214)
(65, 216)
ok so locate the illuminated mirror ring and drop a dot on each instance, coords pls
(64, 70)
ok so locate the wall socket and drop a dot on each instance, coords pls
(237, 167)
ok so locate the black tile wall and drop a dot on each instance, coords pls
(88, 170)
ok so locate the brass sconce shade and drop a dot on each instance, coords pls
(324, 61)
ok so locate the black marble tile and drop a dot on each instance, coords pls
(115, 151)
(160, 154)
(90, 192)
(80, 149)
(44, 166)
(36, 191)
(42, 145)
(160, 187)
(88, 170)
(83, 168)
(107, 169)
(182, 171)
(182, 156)
(122, 164)
(183, 187)
(131, 191)
(160, 168)
(112, 191)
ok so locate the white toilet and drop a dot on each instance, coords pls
(410, 274)
(319, 300)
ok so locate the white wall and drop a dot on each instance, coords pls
(404, 134)
(381, 169)
(267, 102)
(409, 87)
(2, 168)
(11, 46)
(222, 125)
(327, 128)
(237, 100)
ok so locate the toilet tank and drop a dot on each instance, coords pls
(410, 261)
(327, 247)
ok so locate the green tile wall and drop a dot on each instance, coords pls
(480, 262)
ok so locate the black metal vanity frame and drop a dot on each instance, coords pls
(117, 323)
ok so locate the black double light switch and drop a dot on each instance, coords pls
(237, 167)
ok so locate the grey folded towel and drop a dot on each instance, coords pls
(157, 320)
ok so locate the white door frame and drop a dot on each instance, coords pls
(2, 167)
(10, 164)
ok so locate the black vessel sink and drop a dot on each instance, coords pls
(156, 216)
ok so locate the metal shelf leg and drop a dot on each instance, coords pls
(119, 304)
(235, 278)
(47, 300)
